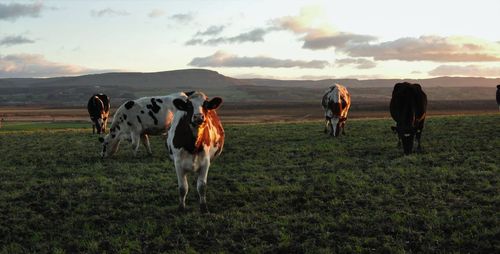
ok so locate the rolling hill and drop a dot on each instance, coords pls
(74, 91)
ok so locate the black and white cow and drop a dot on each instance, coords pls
(408, 108)
(98, 108)
(498, 96)
(194, 140)
(336, 103)
(135, 120)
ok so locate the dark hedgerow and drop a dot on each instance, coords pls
(276, 188)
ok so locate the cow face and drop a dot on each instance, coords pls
(109, 145)
(406, 135)
(197, 107)
(100, 123)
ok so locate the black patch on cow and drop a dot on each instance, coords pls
(153, 106)
(129, 124)
(113, 135)
(142, 111)
(153, 116)
(159, 100)
(184, 136)
(189, 93)
(139, 119)
(125, 116)
(112, 129)
(118, 127)
(129, 104)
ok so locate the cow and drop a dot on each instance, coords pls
(195, 139)
(498, 96)
(408, 108)
(336, 103)
(136, 119)
(98, 108)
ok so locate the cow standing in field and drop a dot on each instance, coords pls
(194, 140)
(408, 108)
(98, 108)
(498, 96)
(336, 103)
(136, 119)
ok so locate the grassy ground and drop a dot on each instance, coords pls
(276, 188)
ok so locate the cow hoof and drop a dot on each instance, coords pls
(181, 209)
(204, 208)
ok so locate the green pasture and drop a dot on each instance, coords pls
(277, 188)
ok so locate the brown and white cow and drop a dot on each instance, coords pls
(135, 120)
(195, 139)
(336, 103)
(98, 108)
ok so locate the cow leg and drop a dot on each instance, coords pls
(145, 142)
(343, 128)
(327, 122)
(201, 186)
(183, 187)
(93, 128)
(135, 139)
(418, 135)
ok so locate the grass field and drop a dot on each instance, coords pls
(278, 188)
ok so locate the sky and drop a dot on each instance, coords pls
(252, 39)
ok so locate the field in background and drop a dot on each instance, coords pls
(256, 112)
(276, 188)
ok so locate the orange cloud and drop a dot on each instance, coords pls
(31, 65)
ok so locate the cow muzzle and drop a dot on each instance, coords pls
(198, 119)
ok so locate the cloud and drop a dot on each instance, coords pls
(317, 34)
(14, 40)
(14, 11)
(32, 65)
(212, 30)
(183, 18)
(156, 13)
(468, 70)
(255, 35)
(222, 59)
(361, 63)
(428, 48)
(108, 12)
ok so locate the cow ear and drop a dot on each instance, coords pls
(214, 103)
(180, 104)
(101, 139)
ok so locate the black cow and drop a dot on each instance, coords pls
(498, 96)
(98, 107)
(408, 109)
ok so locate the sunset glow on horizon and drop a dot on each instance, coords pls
(252, 39)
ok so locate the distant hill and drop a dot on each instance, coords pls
(74, 91)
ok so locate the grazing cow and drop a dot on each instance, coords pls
(136, 119)
(408, 108)
(194, 140)
(336, 103)
(498, 96)
(98, 107)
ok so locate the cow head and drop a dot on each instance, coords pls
(109, 144)
(406, 135)
(100, 123)
(197, 105)
(334, 120)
